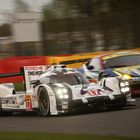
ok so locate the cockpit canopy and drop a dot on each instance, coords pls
(70, 78)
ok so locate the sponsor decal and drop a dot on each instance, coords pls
(9, 100)
(28, 103)
(118, 54)
(94, 92)
(35, 73)
(27, 97)
(34, 68)
(132, 70)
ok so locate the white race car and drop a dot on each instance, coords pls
(54, 90)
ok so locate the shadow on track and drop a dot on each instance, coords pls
(73, 113)
(100, 110)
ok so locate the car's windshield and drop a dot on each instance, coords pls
(122, 61)
(71, 79)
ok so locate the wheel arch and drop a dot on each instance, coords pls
(52, 98)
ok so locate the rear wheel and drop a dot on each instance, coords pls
(43, 102)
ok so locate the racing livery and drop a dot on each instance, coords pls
(125, 64)
(55, 89)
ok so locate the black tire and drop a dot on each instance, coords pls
(43, 102)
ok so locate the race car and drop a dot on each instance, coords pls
(125, 64)
(53, 90)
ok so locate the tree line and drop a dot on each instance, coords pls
(72, 26)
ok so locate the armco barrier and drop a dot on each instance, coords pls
(13, 64)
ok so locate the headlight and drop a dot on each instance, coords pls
(124, 86)
(59, 91)
(126, 83)
(62, 93)
(125, 89)
(66, 96)
(65, 90)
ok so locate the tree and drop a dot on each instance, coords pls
(21, 6)
(110, 18)
(5, 30)
(135, 20)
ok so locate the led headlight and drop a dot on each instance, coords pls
(125, 89)
(62, 93)
(59, 91)
(66, 96)
(124, 85)
(65, 90)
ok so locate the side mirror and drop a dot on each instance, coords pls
(90, 67)
(35, 83)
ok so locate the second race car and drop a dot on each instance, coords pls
(125, 64)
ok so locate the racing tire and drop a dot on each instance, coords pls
(43, 102)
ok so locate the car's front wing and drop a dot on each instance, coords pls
(98, 102)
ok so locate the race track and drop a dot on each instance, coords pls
(124, 122)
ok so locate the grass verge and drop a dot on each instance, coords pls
(46, 136)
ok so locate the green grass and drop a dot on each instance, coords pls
(45, 136)
(19, 86)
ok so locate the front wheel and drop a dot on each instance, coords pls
(43, 102)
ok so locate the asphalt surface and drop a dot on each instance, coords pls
(124, 122)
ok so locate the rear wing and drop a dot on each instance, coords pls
(31, 73)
